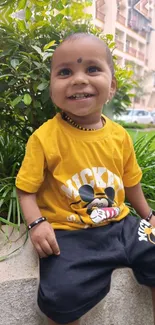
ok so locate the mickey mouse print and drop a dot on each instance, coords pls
(93, 196)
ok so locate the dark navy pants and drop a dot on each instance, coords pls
(74, 282)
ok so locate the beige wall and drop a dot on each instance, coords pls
(130, 46)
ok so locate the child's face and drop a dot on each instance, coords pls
(81, 79)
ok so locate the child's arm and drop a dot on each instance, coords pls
(42, 235)
(137, 199)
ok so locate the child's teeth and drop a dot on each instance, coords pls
(76, 96)
(80, 95)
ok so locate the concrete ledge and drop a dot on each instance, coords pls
(127, 303)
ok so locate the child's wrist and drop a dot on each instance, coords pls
(150, 215)
(36, 222)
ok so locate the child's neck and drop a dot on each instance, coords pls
(84, 123)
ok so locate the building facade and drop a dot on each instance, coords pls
(132, 23)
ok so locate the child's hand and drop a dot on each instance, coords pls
(152, 221)
(44, 240)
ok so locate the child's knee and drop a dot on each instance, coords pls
(62, 299)
(62, 304)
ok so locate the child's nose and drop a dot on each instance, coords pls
(80, 78)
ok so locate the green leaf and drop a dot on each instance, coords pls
(21, 25)
(38, 24)
(21, 4)
(27, 99)
(8, 223)
(14, 63)
(65, 2)
(109, 37)
(38, 65)
(46, 56)
(43, 85)
(10, 209)
(6, 75)
(112, 45)
(16, 101)
(49, 45)
(37, 49)
(4, 195)
(58, 5)
(35, 86)
(12, 82)
(28, 14)
(45, 96)
(5, 2)
(40, 3)
(37, 104)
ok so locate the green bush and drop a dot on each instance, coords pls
(11, 155)
(125, 84)
(25, 51)
(144, 148)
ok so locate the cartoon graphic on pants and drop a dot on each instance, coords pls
(151, 234)
(98, 206)
(146, 232)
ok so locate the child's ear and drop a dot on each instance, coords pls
(113, 88)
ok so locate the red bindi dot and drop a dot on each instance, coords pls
(79, 60)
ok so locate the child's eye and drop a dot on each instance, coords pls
(64, 72)
(93, 69)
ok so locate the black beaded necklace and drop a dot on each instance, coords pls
(66, 118)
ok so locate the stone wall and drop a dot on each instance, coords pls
(128, 303)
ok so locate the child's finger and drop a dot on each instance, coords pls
(46, 247)
(53, 244)
(40, 251)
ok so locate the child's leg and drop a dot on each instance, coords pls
(77, 322)
(76, 280)
(153, 301)
(139, 242)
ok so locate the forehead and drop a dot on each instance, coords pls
(84, 48)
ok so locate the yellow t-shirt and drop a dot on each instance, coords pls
(79, 176)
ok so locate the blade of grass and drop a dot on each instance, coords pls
(2, 258)
(3, 196)
(18, 212)
(8, 222)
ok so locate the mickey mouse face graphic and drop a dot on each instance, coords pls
(98, 206)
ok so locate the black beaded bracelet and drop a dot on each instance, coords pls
(36, 222)
(151, 214)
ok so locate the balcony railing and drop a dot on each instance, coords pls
(137, 54)
(100, 10)
(119, 45)
(135, 28)
(141, 56)
(100, 15)
(142, 33)
(132, 51)
(121, 19)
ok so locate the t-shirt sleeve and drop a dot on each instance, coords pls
(132, 171)
(32, 172)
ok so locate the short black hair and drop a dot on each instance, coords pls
(76, 36)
